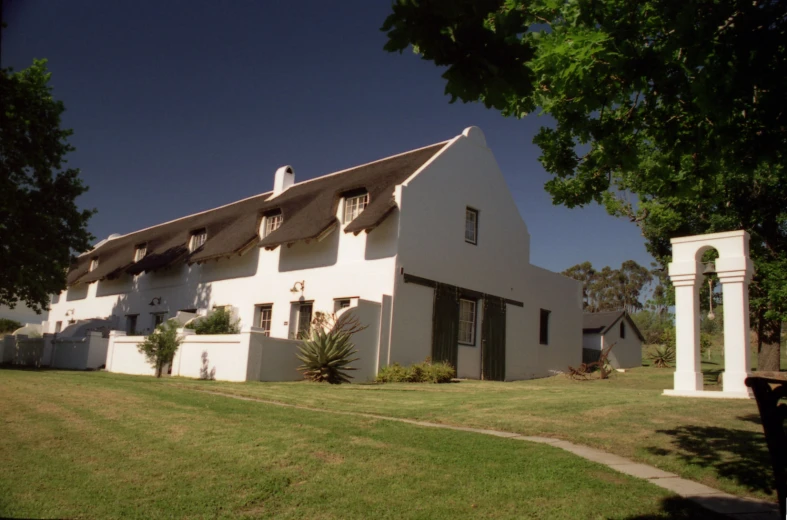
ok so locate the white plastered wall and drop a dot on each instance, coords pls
(627, 352)
(432, 245)
(340, 266)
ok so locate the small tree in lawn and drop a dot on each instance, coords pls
(160, 347)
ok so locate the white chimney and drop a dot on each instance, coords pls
(283, 179)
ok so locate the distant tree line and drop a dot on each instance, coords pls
(620, 289)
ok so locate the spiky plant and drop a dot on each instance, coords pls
(662, 356)
(327, 354)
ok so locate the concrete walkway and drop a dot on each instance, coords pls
(708, 497)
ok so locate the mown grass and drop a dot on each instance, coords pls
(716, 442)
(97, 445)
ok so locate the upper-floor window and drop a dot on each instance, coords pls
(140, 251)
(467, 320)
(543, 329)
(354, 204)
(622, 330)
(272, 222)
(198, 238)
(94, 263)
(471, 226)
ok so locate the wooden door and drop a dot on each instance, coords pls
(493, 339)
(445, 325)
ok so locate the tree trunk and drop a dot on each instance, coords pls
(159, 366)
(769, 345)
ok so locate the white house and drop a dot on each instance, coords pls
(427, 245)
(602, 329)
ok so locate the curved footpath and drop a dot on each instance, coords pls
(707, 497)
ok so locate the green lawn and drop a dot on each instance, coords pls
(97, 445)
(716, 442)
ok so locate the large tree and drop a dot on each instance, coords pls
(41, 226)
(671, 113)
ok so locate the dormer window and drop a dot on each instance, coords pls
(94, 263)
(271, 222)
(354, 204)
(198, 238)
(140, 251)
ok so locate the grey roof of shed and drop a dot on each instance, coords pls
(603, 321)
(309, 209)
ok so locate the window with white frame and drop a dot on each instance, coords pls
(198, 238)
(94, 263)
(265, 318)
(471, 226)
(140, 251)
(273, 222)
(467, 319)
(301, 320)
(354, 204)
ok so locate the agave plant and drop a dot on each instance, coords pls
(662, 356)
(327, 354)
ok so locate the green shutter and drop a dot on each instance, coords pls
(493, 339)
(445, 325)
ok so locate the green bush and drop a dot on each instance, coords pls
(219, 322)
(426, 372)
(7, 325)
(159, 348)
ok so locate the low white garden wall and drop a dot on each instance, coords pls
(366, 342)
(23, 351)
(248, 356)
(89, 352)
(273, 359)
(123, 357)
(217, 356)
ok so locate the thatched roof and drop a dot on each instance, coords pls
(309, 209)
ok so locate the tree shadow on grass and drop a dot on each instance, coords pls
(677, 508)
(739, 455)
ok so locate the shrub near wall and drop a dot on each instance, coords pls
(426, 372)
(218, 322)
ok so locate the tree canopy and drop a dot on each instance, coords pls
(611, 289)
(670, 113)
(41, 226)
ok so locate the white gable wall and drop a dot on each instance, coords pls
(432, 245)
(627, 352)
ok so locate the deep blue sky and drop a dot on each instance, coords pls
(180, 106)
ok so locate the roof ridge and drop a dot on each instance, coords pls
(363, 165)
